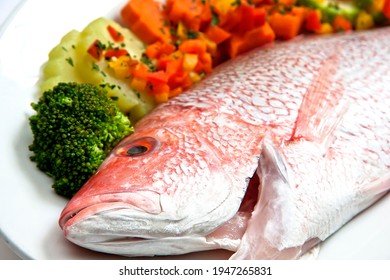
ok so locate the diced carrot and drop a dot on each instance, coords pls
(230, 20)
(386, 9)
(175, 58)
(96, 50)
(285, 26)
(340, 23)
(174, 66)
(157, 88)
(256, 37)
(313, 21)
(157, 49)
(217, 34)
(140, 71)
(194, 46)
(193, 13)
(115, 53)
(175, 92)
(157, 82)
(299, 12)
(204, 64)
(177, 77)
(247, 18)
(260, 16)
(147, 20)
(286, 3)
(115, 34)
(157, 77)
(242, 17)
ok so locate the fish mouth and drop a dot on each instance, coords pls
(118, 230)
(123, 229)
(118, 227)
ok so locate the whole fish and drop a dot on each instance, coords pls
(266, 157)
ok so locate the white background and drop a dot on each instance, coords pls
(6, 9)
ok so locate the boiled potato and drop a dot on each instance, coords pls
(70, 61)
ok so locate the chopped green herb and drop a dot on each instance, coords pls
(146, 60)
(192, 34)
(236, 3)
(95, 67)
(172, 31)
(70, 61)
(214, 19)
(115, 98)
(108, 85)
(100, 45)
(65, 49)
(110, 45)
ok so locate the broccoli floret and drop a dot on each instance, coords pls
(74, 129)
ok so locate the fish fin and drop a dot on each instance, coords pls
(322, 108)
(379, 186)
(272, 215)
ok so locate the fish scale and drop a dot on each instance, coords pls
(297, 115)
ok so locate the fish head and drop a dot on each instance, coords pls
(159, 183)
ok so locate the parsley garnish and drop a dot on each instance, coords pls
(192, 34)
(70, 61)
(95, 67)
(146, 60)
(214, 19)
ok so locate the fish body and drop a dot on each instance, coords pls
(285, 128)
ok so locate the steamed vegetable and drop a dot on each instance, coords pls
(83, 57)
(74, 128)
(223, 29)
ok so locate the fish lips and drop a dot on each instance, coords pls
(110, 214)
(119, 227)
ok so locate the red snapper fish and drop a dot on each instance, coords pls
(266, 157)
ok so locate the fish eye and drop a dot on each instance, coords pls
(138, 147)
(136, 150)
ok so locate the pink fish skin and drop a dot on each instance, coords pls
(269, 155)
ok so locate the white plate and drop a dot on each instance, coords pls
(29, 209)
